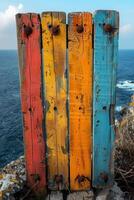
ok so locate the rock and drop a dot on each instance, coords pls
(103, 195)
(116, 193)
(55, 196)
(12, 178)
(113, 193)
(86, 195)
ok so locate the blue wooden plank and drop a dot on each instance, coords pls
(106, 26)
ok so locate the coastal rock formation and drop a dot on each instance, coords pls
(12, 178)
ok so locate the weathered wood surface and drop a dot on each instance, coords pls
(75, 117)
(55, 84)
(80, 94)
(28, 28)
(106, 25)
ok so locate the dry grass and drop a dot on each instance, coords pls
(124, 153)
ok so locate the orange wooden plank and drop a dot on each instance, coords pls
(28, 30)
(55, 85)
(80, 93)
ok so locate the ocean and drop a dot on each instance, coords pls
(11, 139)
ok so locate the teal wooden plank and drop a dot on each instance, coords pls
(106, 28)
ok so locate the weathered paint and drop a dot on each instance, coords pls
(80, 94)
(55, 84)
(105, 63)
(28, 28)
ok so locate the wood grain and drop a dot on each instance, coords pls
(80, 94)
(28, 31)
(105, 64)
(55, 82)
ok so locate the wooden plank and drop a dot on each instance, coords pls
(106, 25)
(80, 94)
(28, 31)
(55, 82)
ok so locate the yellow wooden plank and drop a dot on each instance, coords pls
(55, 84)
(80, 93)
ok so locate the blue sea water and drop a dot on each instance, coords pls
(11, 139)
(125, 77)
(11, 145)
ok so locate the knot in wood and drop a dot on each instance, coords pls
(80, 29)
(108, 28)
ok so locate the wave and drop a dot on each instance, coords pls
(127, 85)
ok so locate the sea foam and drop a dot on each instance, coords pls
(127, 85)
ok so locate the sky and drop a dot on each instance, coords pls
(8, 9)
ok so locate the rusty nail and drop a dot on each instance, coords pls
(58, 179)
(56, 30)
(104, 177)
(28, 30)
(80, 29)
(108, 28)
(81, 179)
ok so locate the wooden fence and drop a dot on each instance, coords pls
(67, 84)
